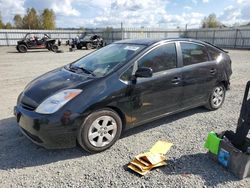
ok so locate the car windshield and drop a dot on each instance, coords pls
(105, 60)
(87, 37)
(82, 36)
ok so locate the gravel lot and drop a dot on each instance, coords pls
(23, 164)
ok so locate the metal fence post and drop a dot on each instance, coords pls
(236, 38)
(7, 39)
(122, 30)
(196, 34)
(166, 34)
(213, 36)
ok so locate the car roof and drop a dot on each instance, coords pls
(37, 33)
(149, 42)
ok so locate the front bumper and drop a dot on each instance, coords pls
(50, 131)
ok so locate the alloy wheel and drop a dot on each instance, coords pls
(218, 96)
(102, 131)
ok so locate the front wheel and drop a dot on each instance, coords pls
(78, 46)
(54, 48)
(49, 46)
(89, 46)
(100, 130)
(22, 48)
(216, 98)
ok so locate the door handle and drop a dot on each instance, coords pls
(176, 80)
(213, 71)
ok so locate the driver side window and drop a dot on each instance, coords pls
(161, 58)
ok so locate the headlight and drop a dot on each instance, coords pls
(55, 102)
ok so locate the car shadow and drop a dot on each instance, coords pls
(16, 151)
(32, 51)
(199, 164)
(164, 120)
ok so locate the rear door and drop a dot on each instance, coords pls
(199, 73)
(160, 94)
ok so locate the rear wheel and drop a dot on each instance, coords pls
(49, 46)
(78, 46)
(22, 48)
(89, 46)
(54, 48)
(100, 130)
(216, 98)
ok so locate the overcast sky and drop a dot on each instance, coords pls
(133, 13)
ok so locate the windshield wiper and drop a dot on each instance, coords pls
(75, 68)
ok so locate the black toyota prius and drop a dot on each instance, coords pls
(127, 83)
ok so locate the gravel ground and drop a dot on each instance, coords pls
(23, 164)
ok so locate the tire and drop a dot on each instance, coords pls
(22, 48)
(99, 131)
(216, 97)
(49, 46)
(89, 46)
(54, 48)
(78, 46)
(98, 45)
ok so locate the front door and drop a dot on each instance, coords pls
(160, 94)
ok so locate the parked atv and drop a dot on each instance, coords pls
(89, 41)
(33, 41)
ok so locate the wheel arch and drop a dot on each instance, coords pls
(80, 140)
(116, 109)
(225, 83)
(120, 113)
(23, 43)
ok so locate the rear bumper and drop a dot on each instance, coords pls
(49, 131)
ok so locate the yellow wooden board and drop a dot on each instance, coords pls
(161, 147)
(144, 162)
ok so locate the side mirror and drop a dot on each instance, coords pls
(144, 72)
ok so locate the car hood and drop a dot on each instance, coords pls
(50, 40)
(20, 41)
(84, 40)
(50, 83)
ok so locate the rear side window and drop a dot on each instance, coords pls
(161, 58)
(193, 53)
(213, 53)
